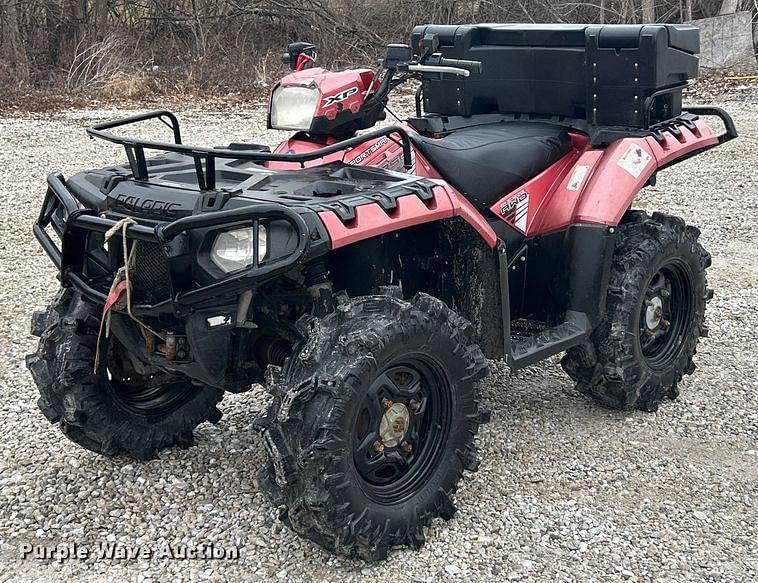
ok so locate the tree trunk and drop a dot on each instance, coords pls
(72, 26)
(602, 11)
(11, 40)
(100, 17)
(648, 10)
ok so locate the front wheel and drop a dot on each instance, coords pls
(373, 423)
(655, 312)
(114, 411)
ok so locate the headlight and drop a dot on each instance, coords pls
(292, 107)
(235, 250)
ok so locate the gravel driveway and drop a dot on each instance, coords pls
(567, 490)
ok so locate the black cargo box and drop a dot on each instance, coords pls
(609, 75)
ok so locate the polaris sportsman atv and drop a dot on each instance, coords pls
(366, 278)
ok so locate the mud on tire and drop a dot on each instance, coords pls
(616, 367)
(86, 406)
(312, 430)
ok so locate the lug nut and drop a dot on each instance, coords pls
(407, 447)
(387, 403)
(649, 333)
(665, 293)
(665, 323)
(415, 404)
(379, 446)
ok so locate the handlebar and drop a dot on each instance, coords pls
(400, 59)
(436, 63)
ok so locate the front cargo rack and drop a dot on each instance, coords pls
(205, 158)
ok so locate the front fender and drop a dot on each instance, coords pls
(372, 220)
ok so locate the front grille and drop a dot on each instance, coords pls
(150, 276)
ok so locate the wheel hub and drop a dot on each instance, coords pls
(394, 425)
(654, 313)
(401, 427)
(666, 314)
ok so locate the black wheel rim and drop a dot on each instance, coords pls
(152, 395)
(401, 429)
(665, 314)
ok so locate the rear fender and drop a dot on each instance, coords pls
(596, 185)
(625, 168)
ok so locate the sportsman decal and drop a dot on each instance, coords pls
(515, 210)
(341, 96)
(368, 151)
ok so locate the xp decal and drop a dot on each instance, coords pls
(515, 210)
(341, 96)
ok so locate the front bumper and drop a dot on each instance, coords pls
(62, 214)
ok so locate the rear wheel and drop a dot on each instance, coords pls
(373, 423)
(655, 316)
(116, 410)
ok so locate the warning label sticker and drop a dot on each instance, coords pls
(577, 177)
(634, 160)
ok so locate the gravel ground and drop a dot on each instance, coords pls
(566, 491)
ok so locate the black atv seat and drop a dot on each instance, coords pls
(486, 162)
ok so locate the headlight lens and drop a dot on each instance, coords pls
(292, 107)
(235, 250)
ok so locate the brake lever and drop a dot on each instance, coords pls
(439, 69)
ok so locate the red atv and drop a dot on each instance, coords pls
(365, 278)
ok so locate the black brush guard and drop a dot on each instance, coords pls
(61, 213)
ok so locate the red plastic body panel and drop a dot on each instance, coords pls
(524, 207)
(298, 146)
(371, 220)
(382, 153)
(612, 189)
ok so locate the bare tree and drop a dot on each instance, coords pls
(229, 45)
(648, 10)
(11, 40)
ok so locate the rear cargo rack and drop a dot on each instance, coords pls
(205, 158)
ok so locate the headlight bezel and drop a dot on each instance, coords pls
(277, 109)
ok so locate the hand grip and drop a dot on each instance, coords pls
(471, 66)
